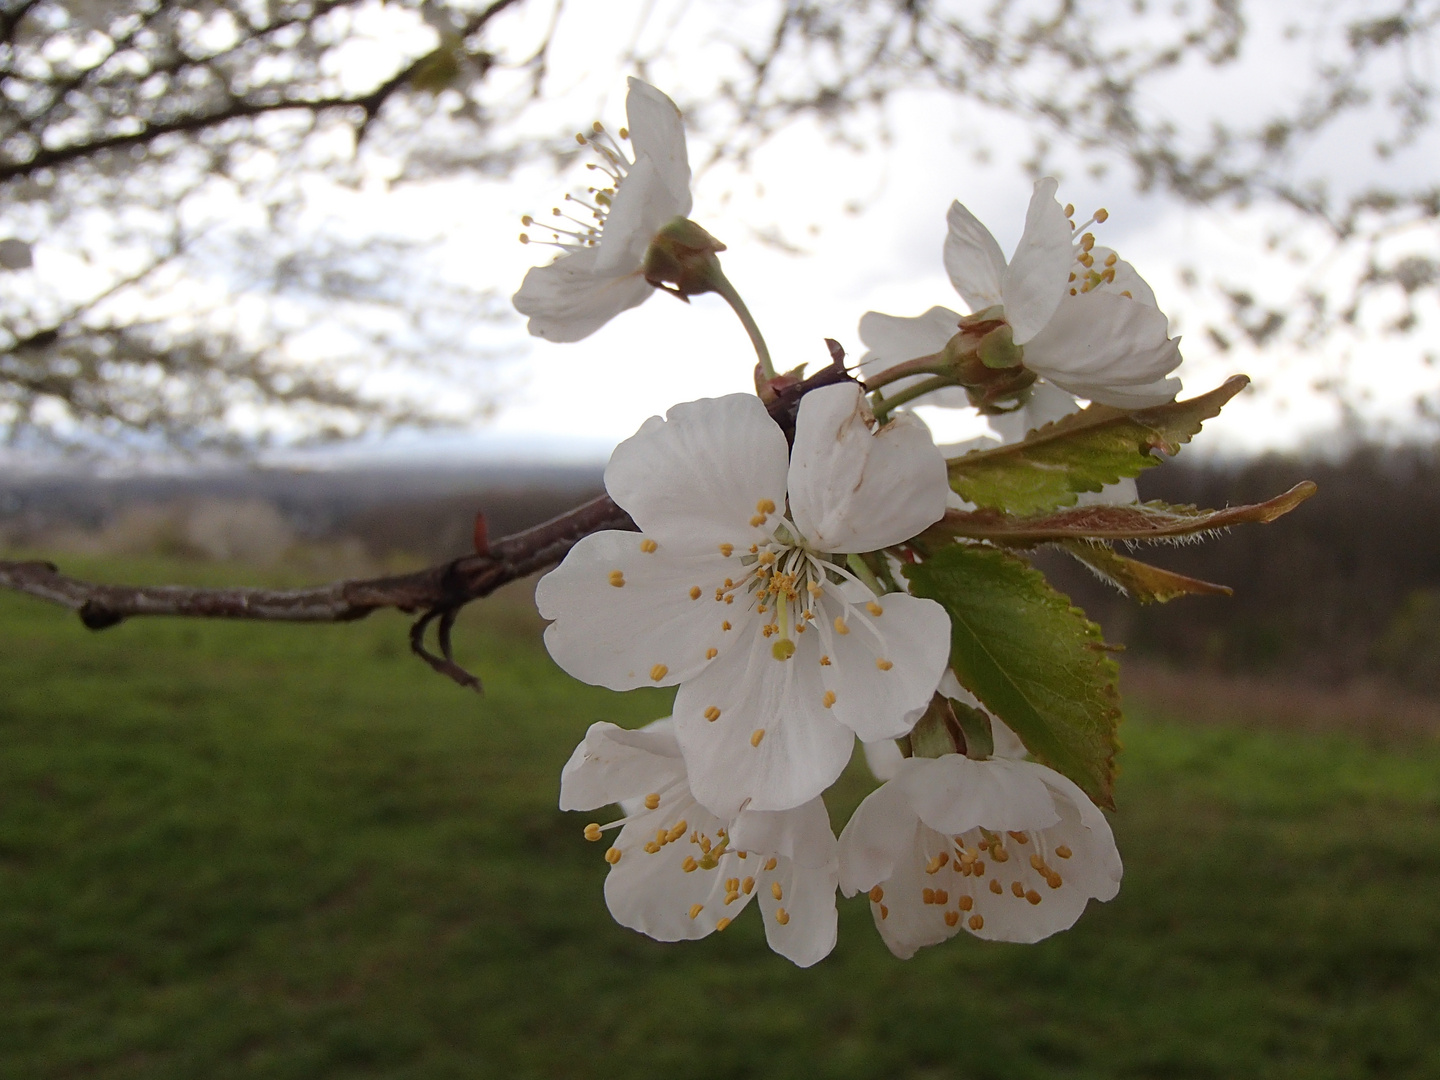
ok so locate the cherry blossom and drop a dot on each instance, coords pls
(1087, 322)
(1008, 850)
(678, 872)
(781, 653)
(598, 274)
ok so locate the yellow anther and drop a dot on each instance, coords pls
(1072, 292)
(1017, 888)
(996, 887)
(1108, 276)
(756, 736)
(966, 902)
(689, 864)
(722, 924)
(705, 844)
(624, 133)
(658, 672)
(648, 546)
(815, 588)
(757, 521)
(1063, 851)
(927, 896)
(1127, 293)
(712, 714)
(942, 897)
(1019, 837)
(765, 506)
(730, 600)
(840, 627)
(951, 918)
(966, 856)
(767, 558)
(732, 884)
(883, 664)
(1087, 260)
(617, 578)
(727, 550)
(824, 661)
(1087, 241)
(934, 865)
(676, 831)
(710, 654)
(1102, 215)
(768, 630)
(829, 699)
(762, 609)
(782, 916)
(652, 847)
(874, 608)
(1072, 277)
(524, 239)
(1111, 259)
(652, 801)
(775, 890)
(999, 854)
(1069, 210)
(725, 625)
(977, 922)
(807, 615)
(978, 869)
(1037, 862)
(612, 856)
(1033, 896)
(771, 864)
(695, 909)
(592, 832)
(884, 912)
(754, 548)
(580, 138)
(694, 592)
(747, 885)
(1053, 880)
(877, 894)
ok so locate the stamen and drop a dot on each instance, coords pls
(775, 890)
(694, 592)
(689, 864)
(829, 699)
(727, 550)
(1063, 851)
(884, 665)
(782, 916)
(658, 672)
(977, 922)
(617, 578)
(712, 714)
(648, 546)
(951, 918)
(747, 885)
(652, 800)
(756, 736)
(710, 654)
(771, 864)
(965, 901)
(720, 925)
(996, 887)
(877, 894)
(592, 831)
(1033, 896)
(612, 856)
(695, 909)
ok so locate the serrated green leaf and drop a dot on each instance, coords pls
(1030, 657)
(1131, 522)
(1084, 451)
(1147, 584)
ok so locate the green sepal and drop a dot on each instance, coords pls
(934, 734)
(1084, 451)
(1031, 658)
(975, 726)
(1147, 584)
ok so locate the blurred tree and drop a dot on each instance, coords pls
(163, 155)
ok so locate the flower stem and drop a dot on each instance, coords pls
(885, 406)
(934, 364)
(721, 284)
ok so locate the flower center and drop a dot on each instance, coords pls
(571, 231)
(1086, 275)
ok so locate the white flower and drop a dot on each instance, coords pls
(1008, 850)
(781, 655)
(1087, 321)
(678, 872)
(598, 275)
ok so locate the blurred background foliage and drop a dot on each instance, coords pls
(164, 156)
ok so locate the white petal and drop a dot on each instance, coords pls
(653, 893)
(906, 923)
(1108, 348)
(657, 133)
(851, 490)
(1007, 743)
(1046, 405)
(1039, 270)
(883, 758)
(883, 672)
(807, 896)
(612, 764)
(877, 837)
(804, 747)
(568, 300)
(642, 205)
(972, 259)
(802, 834)
(648, 631)
(695, 479)
(1126, 278)
(893, 339)
(953, 794)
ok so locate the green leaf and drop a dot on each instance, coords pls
(1031, 658)
(1147, 584)
(1082, 452)
(1131, 522)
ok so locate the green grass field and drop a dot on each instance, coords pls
(293, 852)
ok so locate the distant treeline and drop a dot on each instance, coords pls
(1346, 585)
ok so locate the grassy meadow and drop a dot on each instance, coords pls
(294, 852)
